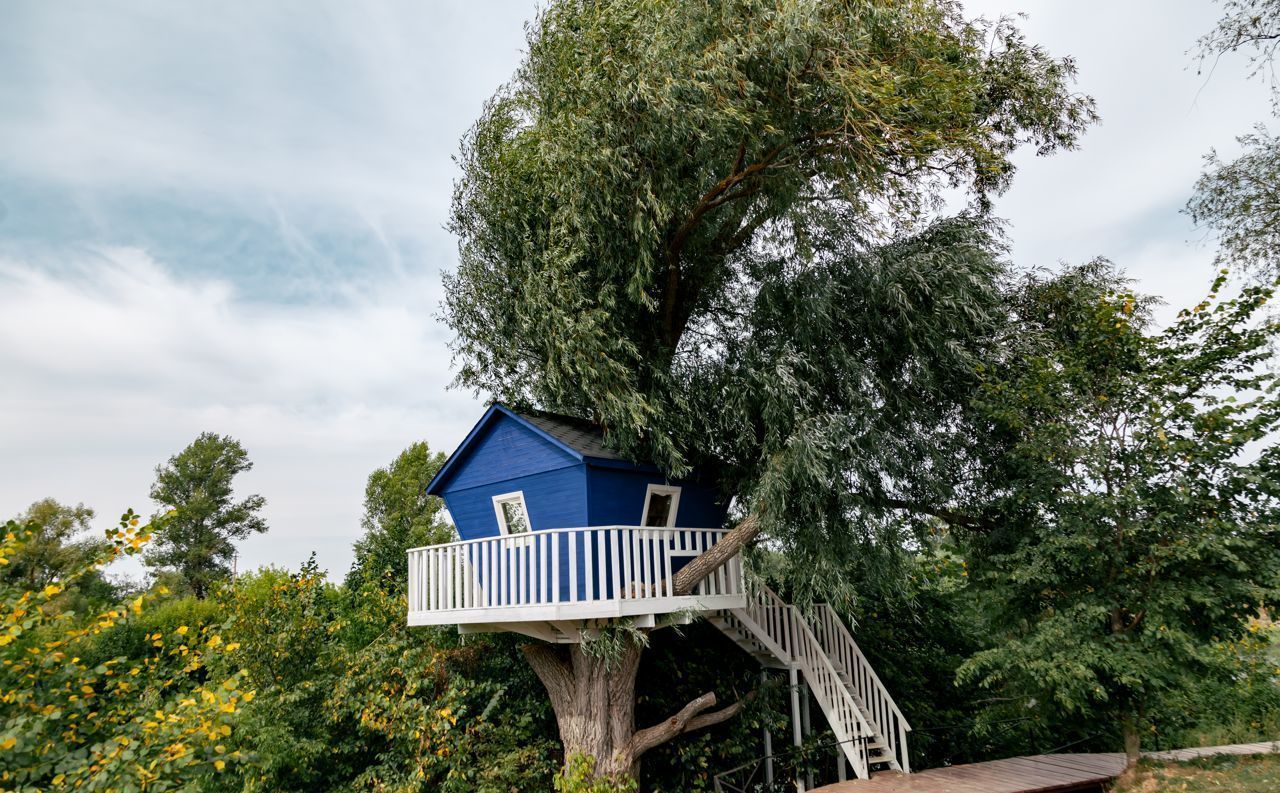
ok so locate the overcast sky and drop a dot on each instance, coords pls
(233, 220)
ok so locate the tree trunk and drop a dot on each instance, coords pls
(594, 700)
(1132, 738)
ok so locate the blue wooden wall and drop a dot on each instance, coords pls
(617, 499)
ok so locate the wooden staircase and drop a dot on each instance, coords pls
(869, 727)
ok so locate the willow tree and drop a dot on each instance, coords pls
(702, 225)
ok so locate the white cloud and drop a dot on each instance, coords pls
(113, 365)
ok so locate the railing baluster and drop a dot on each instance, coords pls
(413, 582)
(522, 571)
(615, 561)
(573, 568)
(502, 553)
(542, 568)
(602, 567)
(666, 565)
(555, 568)
(624, 540)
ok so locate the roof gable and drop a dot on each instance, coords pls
(579, 439)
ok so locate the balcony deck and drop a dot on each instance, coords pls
(563, 576)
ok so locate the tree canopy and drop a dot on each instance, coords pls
(200, 520)
(398, 515)
(1130, 514)
(58, 546)
(645, 208)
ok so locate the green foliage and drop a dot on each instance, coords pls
(1249, 25)
(60, 546)
(614, 192)
(579, 776)
(154, 722)
(1238, 702)
(440, 715)
(849, 386)
(200, 522)
(398, 515)
(684, 664)
(1236, 198)
(285, 624)
(1131, 497)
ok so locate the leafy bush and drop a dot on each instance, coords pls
(155, 722)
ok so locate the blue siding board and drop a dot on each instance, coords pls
(505, 450)
(617, 498)
(556, 499)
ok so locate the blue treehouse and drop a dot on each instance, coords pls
(555, 527)
(559, 535)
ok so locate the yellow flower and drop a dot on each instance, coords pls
(219, 764)
(182, 630)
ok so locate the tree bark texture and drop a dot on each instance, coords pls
(707, 563)
(594, 700)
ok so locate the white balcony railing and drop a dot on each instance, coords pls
(566, 574)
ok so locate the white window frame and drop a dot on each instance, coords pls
(662, 490)
(498, 500)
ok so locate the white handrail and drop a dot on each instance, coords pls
(784, 627)
(540, 532)
(559, 567)
(838, 644)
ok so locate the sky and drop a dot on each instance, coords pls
(233, 219)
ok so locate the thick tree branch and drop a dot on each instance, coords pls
(707, 563)
(687, 720)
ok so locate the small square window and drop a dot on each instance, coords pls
(661, 502)
(513, 516)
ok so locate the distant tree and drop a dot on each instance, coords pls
(1130, 500)
(1239, 199)
(200, 521)
(398, 515)
(58, 545)
(700, 225)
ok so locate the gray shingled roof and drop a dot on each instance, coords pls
(579, 435)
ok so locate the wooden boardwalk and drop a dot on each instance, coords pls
(1182, 755)
(1039, 774)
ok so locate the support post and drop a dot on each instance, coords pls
(768, 739)
(796, 737)
(805, 727)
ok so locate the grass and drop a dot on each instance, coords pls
(1250, 774)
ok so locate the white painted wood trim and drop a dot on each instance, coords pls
(599, 609)
(517, 495)
(664, 490)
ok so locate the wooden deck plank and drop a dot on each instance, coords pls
(1042, 773)
(1098, 763)
(1037, 774)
